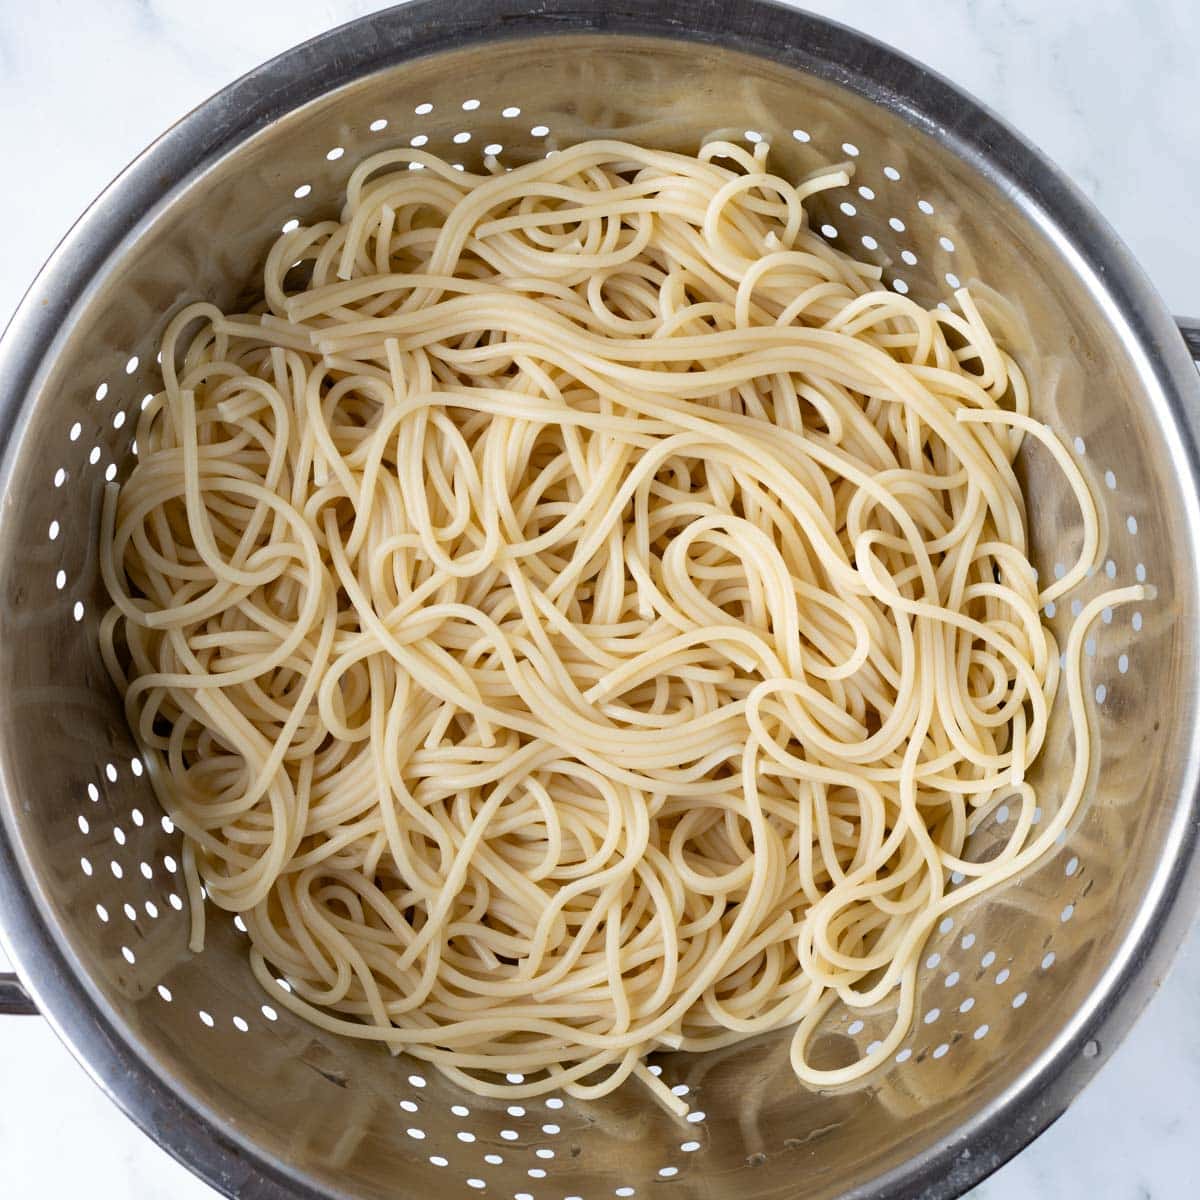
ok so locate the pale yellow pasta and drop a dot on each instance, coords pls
(581, 613)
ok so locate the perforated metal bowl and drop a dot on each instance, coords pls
(1024, 992)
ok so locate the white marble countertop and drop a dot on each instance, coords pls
(1108, 89)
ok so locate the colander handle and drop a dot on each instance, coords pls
(1190, 328)
(14, 1000)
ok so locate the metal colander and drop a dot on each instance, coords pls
(1024, 992)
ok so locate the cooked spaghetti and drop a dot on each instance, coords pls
(581, 612)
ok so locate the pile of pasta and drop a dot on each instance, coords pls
(580, 612)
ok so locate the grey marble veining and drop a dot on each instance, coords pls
(1108, 89)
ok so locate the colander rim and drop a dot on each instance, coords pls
(199, 1137)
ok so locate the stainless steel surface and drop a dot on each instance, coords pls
(1032, 988)
(14, 1000)
(1190, 328)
